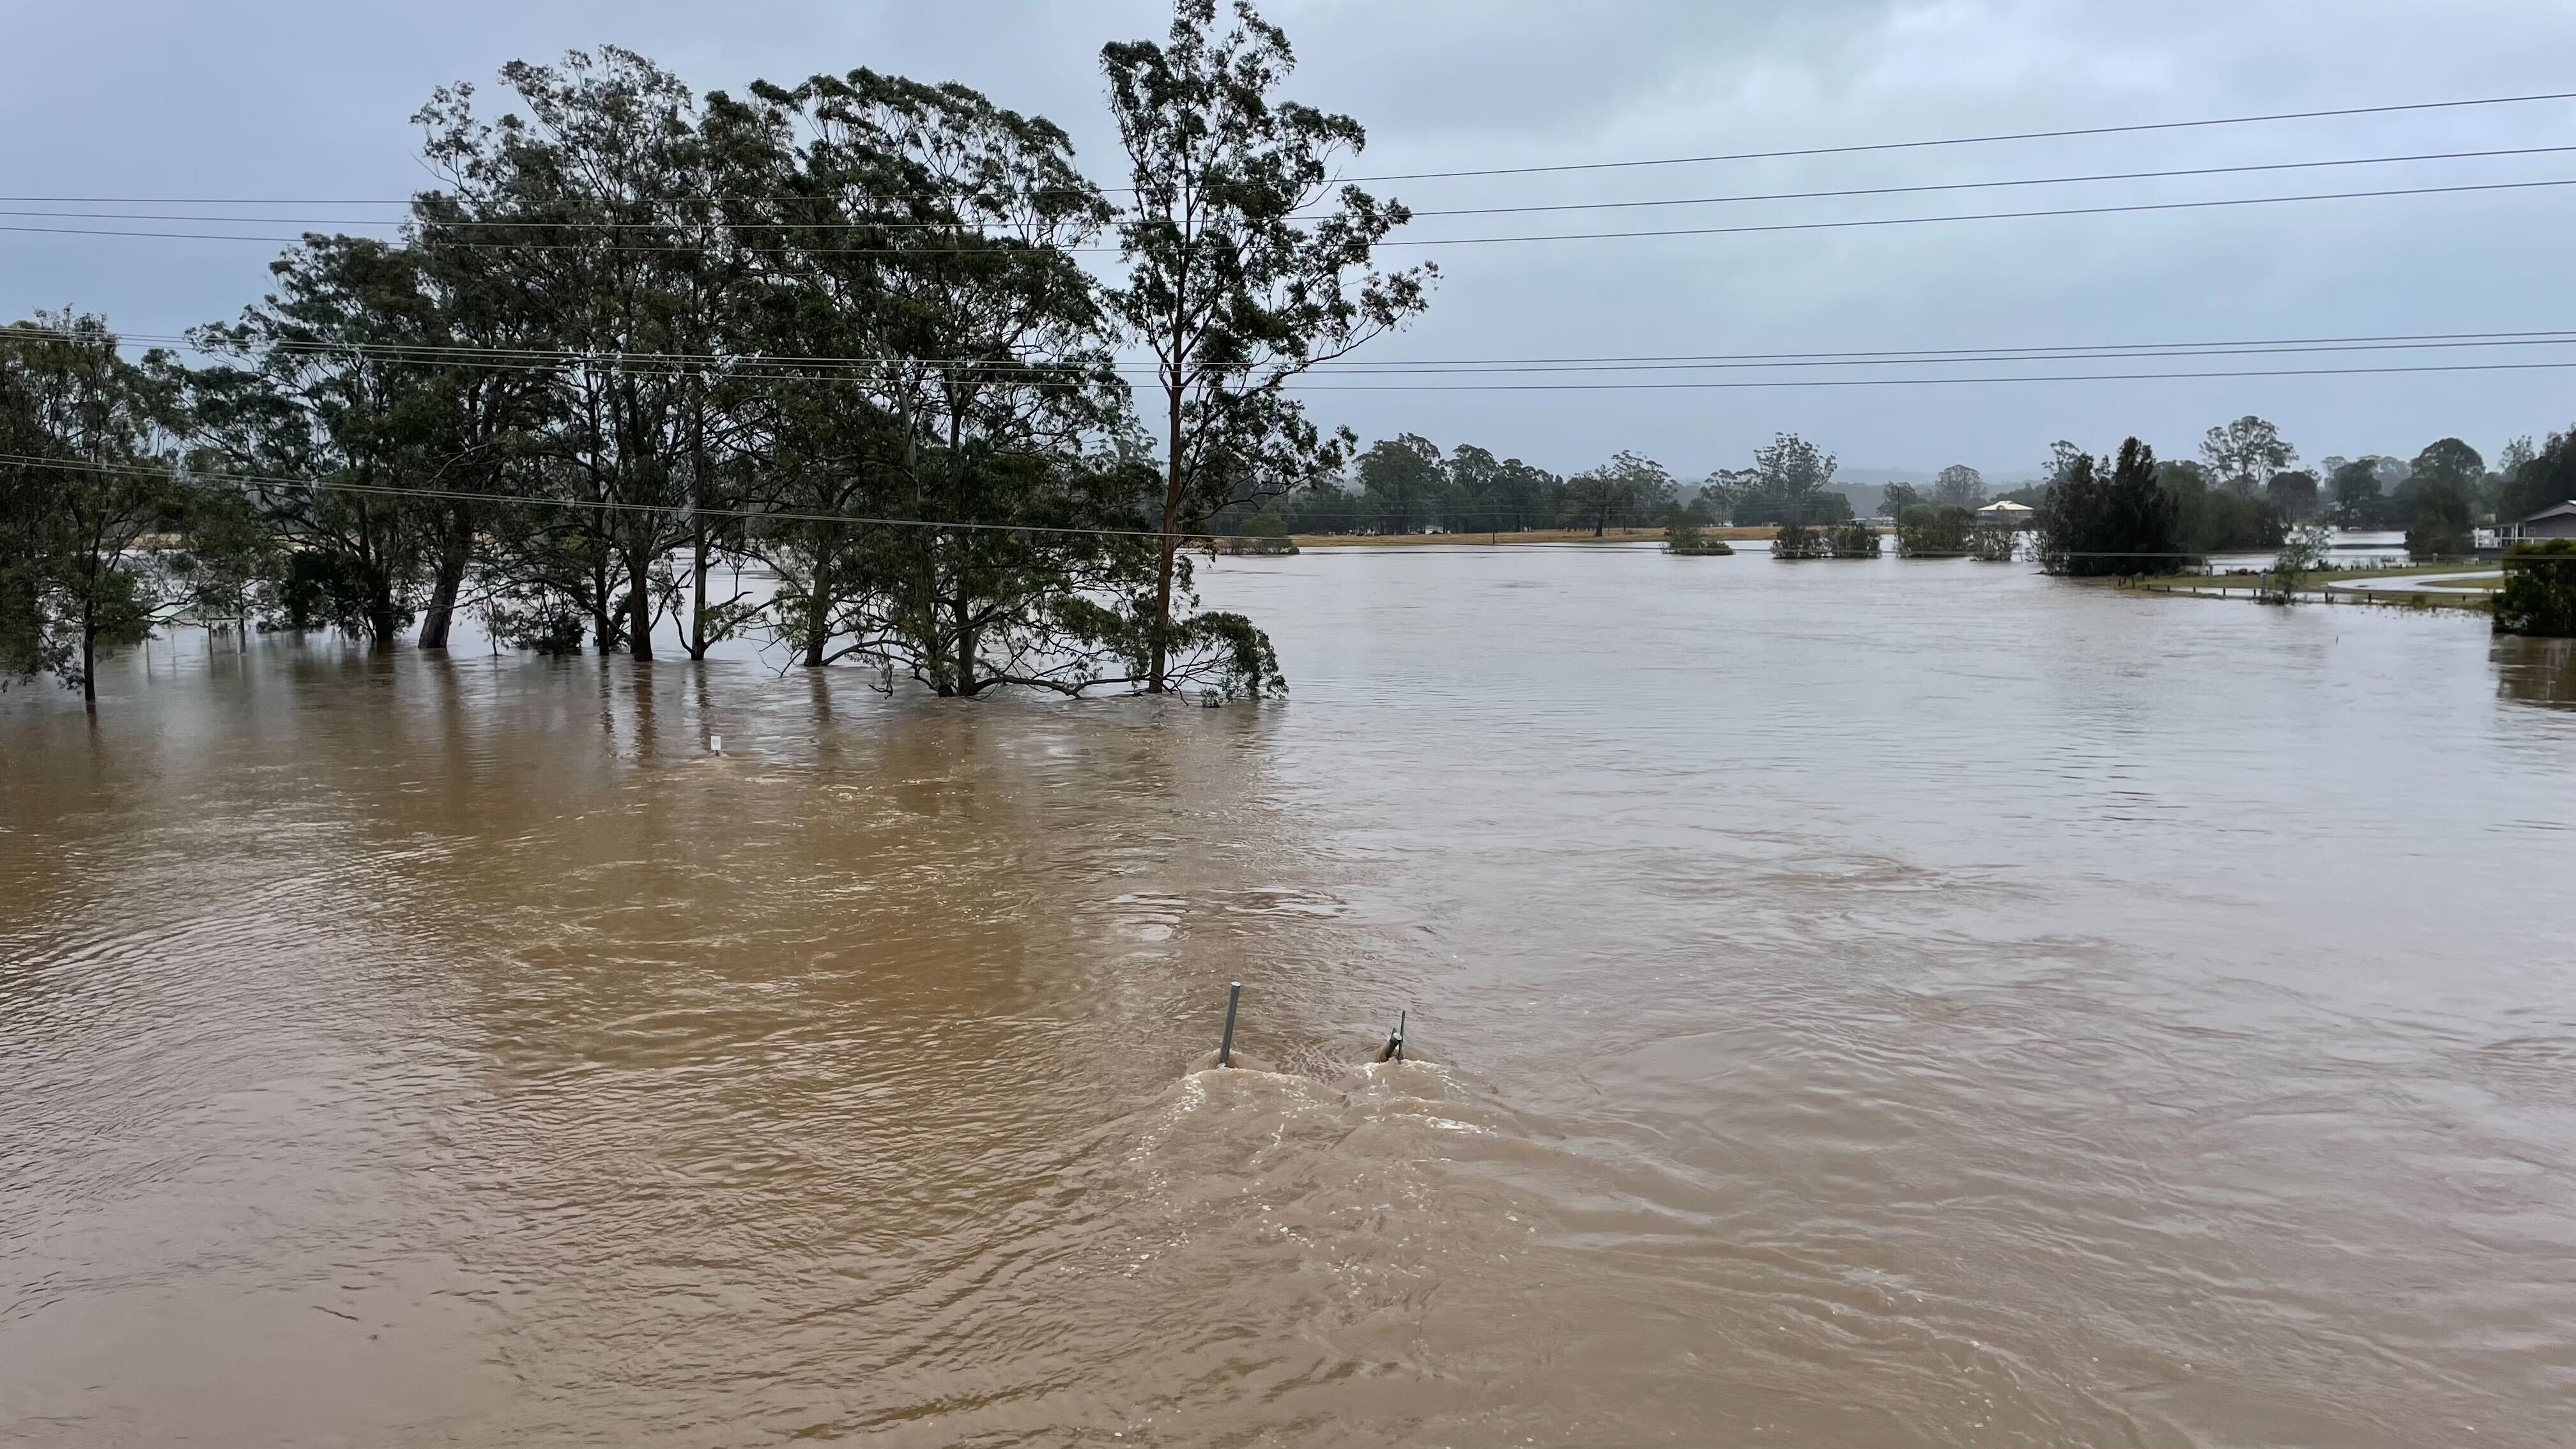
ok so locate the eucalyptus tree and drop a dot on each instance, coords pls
(90, 472)
(1401, 480)
(2243, 455)
(1627, 490)
(600, 204)
(1245, 268)
(1959, 486)
(487, 403)
(1791, 481)
(955, 503)
(1018, 566)
(26, 520)
(323, 416)
(1596, 497)
(1486, 493)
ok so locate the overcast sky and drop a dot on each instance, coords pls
(312, 100)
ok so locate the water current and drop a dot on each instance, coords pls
(1852, 1004)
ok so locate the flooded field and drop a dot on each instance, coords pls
(1861, 1004)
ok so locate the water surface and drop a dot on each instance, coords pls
(1865, 1004)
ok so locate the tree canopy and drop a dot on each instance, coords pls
(2117, 521)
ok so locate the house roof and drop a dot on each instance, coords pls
(2552, 511)
(2006, 505)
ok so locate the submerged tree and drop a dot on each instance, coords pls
(1933, 531)
(1685, 535)
(601, 204)
(923, 237)
(2303, 552)
(324, 420)
(2091, 525)
(90, 471)
(1245, 269)
(1852, 538)
(2539, 591)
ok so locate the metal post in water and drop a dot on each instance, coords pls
(1225, 1048)
(1401, 1018)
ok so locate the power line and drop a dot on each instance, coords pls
(546, 224)
(1871, 382)
(2112, 210)
(1923, 188)
(1925, 381)
(803, 369)
(1975, 140)
(1745, 230)
(658, 364)
(1997, 353)
(1776, 155)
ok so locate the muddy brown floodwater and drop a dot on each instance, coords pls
(1861, 1004)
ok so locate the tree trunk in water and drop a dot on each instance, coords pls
(818, 616)
(603, 633)
(1169, 545)
(89, 662)
(452, 555)
(639, 599)
(698, 575)
(380, 612)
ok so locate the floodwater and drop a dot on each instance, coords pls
(1864, 1004)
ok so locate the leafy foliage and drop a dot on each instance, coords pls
(2243, 455)
(1852, 539)
(1789, 483)
(1798, 541)
(2092, 525)
(1234, 285)
(2539, 592)
(2543, 480)
(89, 473)
(1933, 531)
(1684, 535)
(1958, 486)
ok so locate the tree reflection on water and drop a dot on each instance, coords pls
(2535, 671)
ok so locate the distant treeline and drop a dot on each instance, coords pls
(2243, 492)
(2129, 514)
